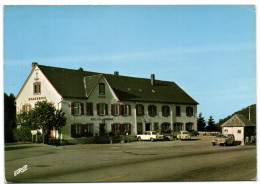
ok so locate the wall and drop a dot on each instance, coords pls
(233, 130)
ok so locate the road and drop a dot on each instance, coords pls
(194, 160)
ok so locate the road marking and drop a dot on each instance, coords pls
(107, 178)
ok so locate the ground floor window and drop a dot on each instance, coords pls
(76, 130)
(147, 126)
(189, 126)
(166, 128)
(177, 127)
(121, 129)
(89, 130)
(156, 126)
(139, 128)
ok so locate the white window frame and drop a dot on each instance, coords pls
(139, 109)
(116, 109)
(125, 110)
(77, 108)
(102, 109)
(77, 129)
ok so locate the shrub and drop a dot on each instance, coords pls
(23, 134)
(194, 133)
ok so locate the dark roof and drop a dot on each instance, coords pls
(237, 121)
(70, 83)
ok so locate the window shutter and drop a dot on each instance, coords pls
(142, 110)
(72, 108)
(191, 111)
(155, 110)
(121, 129)
(87, 109)
(129, 129)
(82, 108)
(91, 109)
(83, 130)
(187, 109)
(129, 109)
(97, 109)
(30, 107)
(23, 108)
(168, 111)
(120, 109)
(73, 131)
(106, 109)
(112, 128)
(163, 111)
(149, 110)
(112, 109)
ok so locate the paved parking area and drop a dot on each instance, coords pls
(104, 162)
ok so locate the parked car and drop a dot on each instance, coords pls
(224, 140)
(150, 135)
(183, 135)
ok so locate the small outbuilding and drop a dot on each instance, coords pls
(240, 127)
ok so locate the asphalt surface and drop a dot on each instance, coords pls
(195, 160)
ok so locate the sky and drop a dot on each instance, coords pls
(209, 51)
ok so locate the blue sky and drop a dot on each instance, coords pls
(209, 51)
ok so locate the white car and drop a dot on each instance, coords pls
(183, 135)
(149, 136)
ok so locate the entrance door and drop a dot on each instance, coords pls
(101, 129)
(147, 126)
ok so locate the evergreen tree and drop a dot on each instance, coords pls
(9, 117)
(211, 124)
(201, 123)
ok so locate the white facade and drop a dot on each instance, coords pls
(238, 132)
(175, 123)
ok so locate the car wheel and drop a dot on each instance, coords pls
(152, 139)
(213, 144)
(139, 138)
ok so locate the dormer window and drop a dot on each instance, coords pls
(37, 88)
(101, 89)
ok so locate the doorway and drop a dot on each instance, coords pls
(101, 129)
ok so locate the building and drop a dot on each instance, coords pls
(97, 103)
(240, 127)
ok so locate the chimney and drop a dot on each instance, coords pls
(152, 79)
(34, 64)
(116, 73)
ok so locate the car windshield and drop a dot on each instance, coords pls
(185, 133)
(221, 136)
(154, 133)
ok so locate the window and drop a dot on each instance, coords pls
(156, 126)
(26, 108)
(165, 111)
(189, 126)
(101, 89)
(115, 128)
(178, 111)
(189, 111)
(177, 127)
(139, 128)
(114, 109)
(239, 131)
(76, 130)
(152, 110)
(89, 130)
(121, 129)
(102, 109)
(166, 128)
(89, 109)
(77, 108)
(37, 88)
(139, 110)
(125, 110)
(226, 130)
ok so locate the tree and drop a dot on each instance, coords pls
(9, 117)
(59, 121)
(211, 124)
(45, 116)
(201, 123)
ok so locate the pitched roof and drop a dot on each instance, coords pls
(70, 83)
(237, 121)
